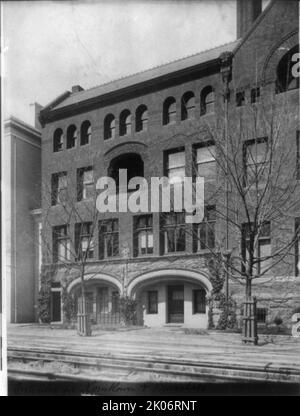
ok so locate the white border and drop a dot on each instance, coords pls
(3, 373)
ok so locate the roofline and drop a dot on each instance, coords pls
(46, 116)
(57, 100)
(13, 121)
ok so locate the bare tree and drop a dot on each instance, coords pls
(255, 191)
(71, 222)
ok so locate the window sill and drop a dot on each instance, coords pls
(207, 114)
(176, 253)
(170, 124)
(143, 256)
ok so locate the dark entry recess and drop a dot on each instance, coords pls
(176, 304)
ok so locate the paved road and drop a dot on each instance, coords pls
(272, 351)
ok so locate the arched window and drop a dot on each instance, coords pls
(71, 136)
(141, 118)
(85, 133)
(109, 127)
(285, 80)
(125, 123)
(132, 162)
(58, 140)
(207, 101)
(187, 106)
(169, 111)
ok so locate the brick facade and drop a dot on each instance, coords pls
(255, 58)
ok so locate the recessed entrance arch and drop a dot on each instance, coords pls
(171, 296)
(102, 295)
(98, 278)
(169, 275)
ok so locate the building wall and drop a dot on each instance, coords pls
(22, 189)
(249, 69)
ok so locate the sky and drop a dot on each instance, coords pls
(49, 46)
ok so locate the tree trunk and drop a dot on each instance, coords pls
(83, 294)
(248, 287)
(84, 324)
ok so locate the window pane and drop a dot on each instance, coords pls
(257, 153)
(176, 160)
(207, 170)
(84, 243)
(88, 176)
(143, 239)
(150, 240)
(176, 175)
(199, 301)
(265, 251)
(206, 154)
(152, 302)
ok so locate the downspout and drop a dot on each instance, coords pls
(226, 72)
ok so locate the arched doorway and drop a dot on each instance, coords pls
(171, 296)
(102, 295)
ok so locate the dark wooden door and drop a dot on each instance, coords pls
(55, 306)
(176, 304)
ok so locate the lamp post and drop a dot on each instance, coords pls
(226, 72)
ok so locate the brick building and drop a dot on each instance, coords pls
(154, 123)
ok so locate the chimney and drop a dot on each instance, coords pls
(247, 12)
(77, 88)
(37, 108)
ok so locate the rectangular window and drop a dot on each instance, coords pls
(85, 183)
(256, 160)
(115, 302)
(261, 315)
(55, 303)
(84, 242)
(298, 155)
(205, 161)
(102, 300)
(61, 244)
(143, 235)
(262, 249)
(172, 226)
(204, 233)
(199, 301)
(175, 166)
(255, 94)
(152, 302)
(59, 188)
(240, 98)
(108, 238)
(297, 247)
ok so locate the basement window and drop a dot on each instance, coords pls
(261, 315)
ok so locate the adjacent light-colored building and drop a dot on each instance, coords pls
(21, 173)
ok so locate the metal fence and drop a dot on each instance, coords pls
(104, 310)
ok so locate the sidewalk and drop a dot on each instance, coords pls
(218, 350)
